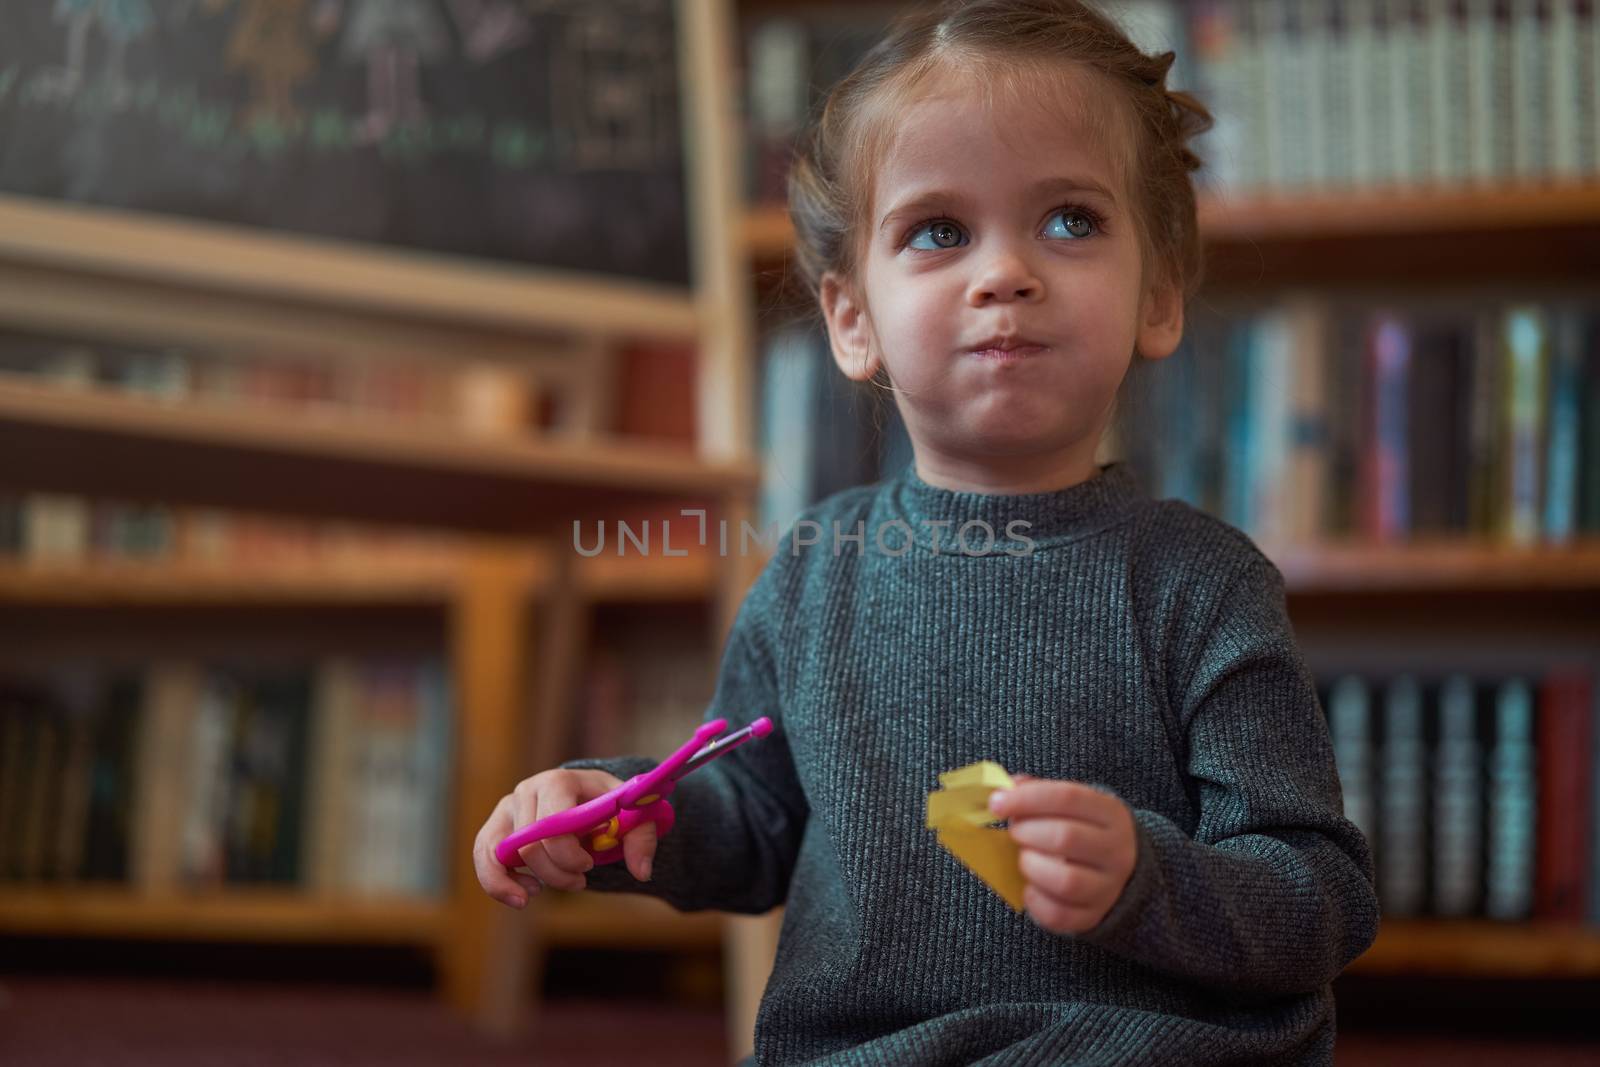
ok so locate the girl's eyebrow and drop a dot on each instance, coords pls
(938, 198)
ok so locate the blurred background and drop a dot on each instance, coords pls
(331, 330)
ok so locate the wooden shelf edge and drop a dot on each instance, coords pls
(1480, 948)
(232, 915)
(201, 255)
(1439, 565)
(623, 921)
(606, 464)
(426, 580)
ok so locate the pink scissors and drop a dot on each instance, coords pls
(601, 823)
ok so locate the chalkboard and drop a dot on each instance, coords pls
(540, 132)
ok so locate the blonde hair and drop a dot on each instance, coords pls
(830, 186)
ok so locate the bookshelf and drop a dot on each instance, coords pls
(509, 590)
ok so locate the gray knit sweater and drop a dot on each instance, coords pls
(1137, 645)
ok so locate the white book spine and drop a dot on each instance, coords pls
(1419, 98)
(1502, 65)
(1315, 47)
(1439, 112)
(1481, 112)
(1458, 101)
(1276, 67)
(1563, 88)
(1403, 61)
(1382, 105)
(1253, 95)
(1335, 97)
(1218, 44)
(1589, 75)
(1360, 45)
(1529, 77)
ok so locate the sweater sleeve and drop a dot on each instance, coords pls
(739, 819)
(1273, 894)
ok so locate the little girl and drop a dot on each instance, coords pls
(996, 215)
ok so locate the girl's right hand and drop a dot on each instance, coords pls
(556, 861)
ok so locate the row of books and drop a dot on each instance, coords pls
(1312, 419)
(820, 432)
(1477, 795)
(1308, 95)
(332, 777)
(60, 528)
(1303, 421)
(645, 687)
(471, 396)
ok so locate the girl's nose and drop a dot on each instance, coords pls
(1003, 279)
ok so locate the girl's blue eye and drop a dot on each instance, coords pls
(1069, 223)
(943, 232)
(1076, 224)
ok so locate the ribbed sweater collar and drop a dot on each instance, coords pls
(1053, 517)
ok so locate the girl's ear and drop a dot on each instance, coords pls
(1160, 321)
(849, 328)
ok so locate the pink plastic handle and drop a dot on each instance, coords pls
(640, 799)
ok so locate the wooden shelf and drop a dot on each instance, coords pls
(623, 921)
(424, 579)
(611, 579)
(1538, 230)
(1402, 210)
(231, 915)
(334, 465)
(1483, 949)
(320, 272)
(1435, 566)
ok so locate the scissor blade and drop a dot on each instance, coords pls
(715, 749)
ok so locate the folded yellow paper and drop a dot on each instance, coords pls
(959, 812)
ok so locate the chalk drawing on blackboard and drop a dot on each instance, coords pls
(272, 44)
(613, 92)
(490, 28)
(120, 21)
(394, 38)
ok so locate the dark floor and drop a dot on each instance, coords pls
(75, 1022)
(57, 1022)
(132, 1004)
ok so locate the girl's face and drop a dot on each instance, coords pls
(998, 216)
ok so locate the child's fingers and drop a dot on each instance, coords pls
(529, 802)
(492, 875)
(1046, 796)
(1071, 884)
(639, 849)
(1070, 839)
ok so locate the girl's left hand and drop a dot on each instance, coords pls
(1078, 849)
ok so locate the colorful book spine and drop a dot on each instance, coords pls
(1566, 717)
(1526, 355)
(1403, 797)
(1389, 358)
(1513, 804)
(1354, 750)
(1458, 802)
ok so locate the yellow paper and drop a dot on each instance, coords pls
(959, 812)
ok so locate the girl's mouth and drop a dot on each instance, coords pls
(1009, 355)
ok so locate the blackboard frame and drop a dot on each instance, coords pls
(284, 266)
